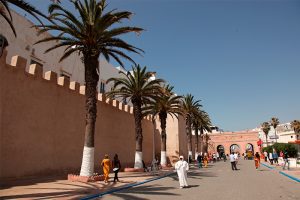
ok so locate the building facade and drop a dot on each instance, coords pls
(284, 134)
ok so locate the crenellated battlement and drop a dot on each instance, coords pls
(36, 71)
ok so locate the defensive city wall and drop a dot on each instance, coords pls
(42, 122)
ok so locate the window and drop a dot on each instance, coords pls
(102, 87)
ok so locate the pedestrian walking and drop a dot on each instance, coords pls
(214, 156)
(275, 156)
(106, 164)
(266, 156)
(205, 160)
(257, 160)
(199, 159)
(116, 164)
(286, 160)
(281, 154)
(182, 167)
(271, 158)
(224, 157)
(232, 161)
(236, 157)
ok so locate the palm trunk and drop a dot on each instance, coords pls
(163, 124)
(196, 142)
(189, 136)
(91, 64)
(206, 143)
(201, 139)
(137, 112)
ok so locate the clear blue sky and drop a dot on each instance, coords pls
(241, 58)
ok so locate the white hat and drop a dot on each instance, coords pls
(181, 157)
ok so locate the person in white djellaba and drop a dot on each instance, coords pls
(182, 167)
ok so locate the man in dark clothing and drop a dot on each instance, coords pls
(286, 160)
(199, 159)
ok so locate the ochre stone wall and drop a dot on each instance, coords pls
(42, 124)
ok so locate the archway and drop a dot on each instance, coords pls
(221, 150)
(249, 151)
(235, 148)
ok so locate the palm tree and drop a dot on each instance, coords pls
(137, 87)
(190, 107)
(6, 14)
(196, 125)
(90, 33)
(166, 103)
(205, 125)
(274, 122)
(266, 128)
(295, 124)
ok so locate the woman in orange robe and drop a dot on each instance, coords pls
(106, 164)
(205, 160)
(257, 160)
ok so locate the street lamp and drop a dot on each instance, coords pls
(3, 44)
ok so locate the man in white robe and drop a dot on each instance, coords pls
(182, 167)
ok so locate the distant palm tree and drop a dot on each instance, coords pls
(190, 107)
(137, 87)
(295, 124)
(166, 104)
(200, 122)
(266, 128)
(205, 125)
(91, 33)
(274, 122)
(5, 11)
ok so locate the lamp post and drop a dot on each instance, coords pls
(152, 78)
(3, 44)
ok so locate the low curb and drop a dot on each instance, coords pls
(125, 187)
(283, 173)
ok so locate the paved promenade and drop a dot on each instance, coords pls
(216, 182)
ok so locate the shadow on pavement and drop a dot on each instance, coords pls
(29, 181)
(151, 190)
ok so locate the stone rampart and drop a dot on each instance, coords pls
(42, 122)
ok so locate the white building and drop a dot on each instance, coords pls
(284, 134)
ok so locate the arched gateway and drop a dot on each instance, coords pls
(220, 150)
(235, 148)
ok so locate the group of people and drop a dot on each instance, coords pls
(204, 159)
(107, 165)
(273, 158)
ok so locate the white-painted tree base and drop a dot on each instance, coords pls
(87, 166)
(138, 163)
(163, 158)
(190, 155)
(196, 155)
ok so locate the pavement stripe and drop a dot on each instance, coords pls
(283, 173)
(267, 166)
(125, 187)
(289, 176)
